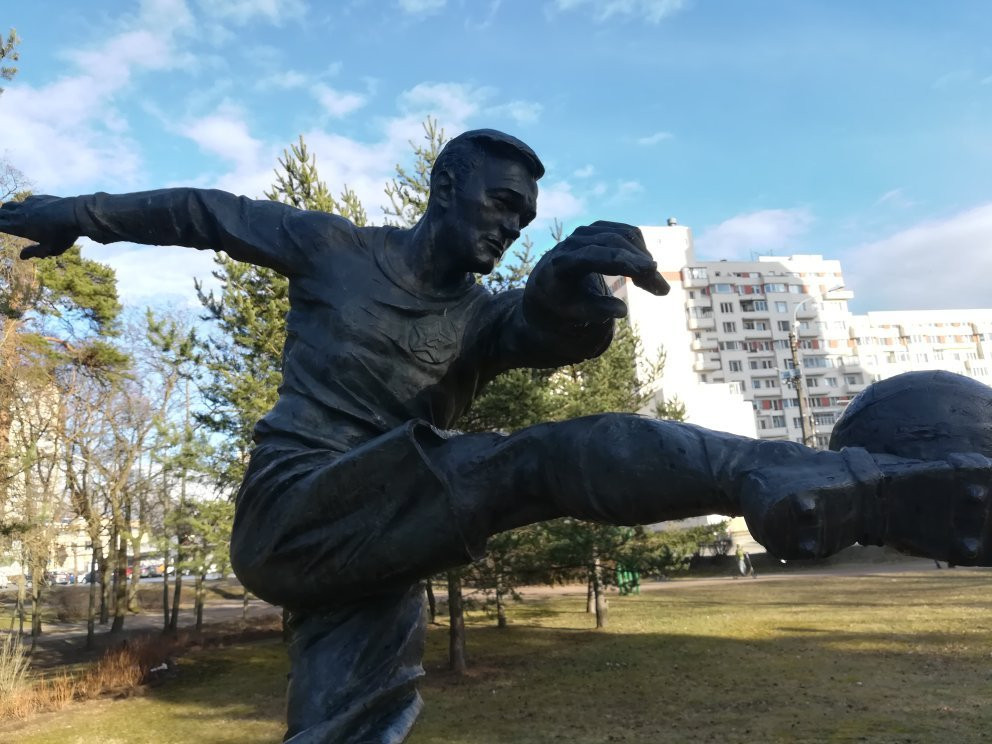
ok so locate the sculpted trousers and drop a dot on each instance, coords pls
(343, 540)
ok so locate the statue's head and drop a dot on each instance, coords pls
(919, 415)
(483, 193)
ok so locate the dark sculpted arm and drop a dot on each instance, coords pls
(566, 314)
(261, 232)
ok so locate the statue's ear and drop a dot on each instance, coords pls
(443, 188)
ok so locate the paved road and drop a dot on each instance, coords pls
(65, 643)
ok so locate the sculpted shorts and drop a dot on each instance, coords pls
(315, 529)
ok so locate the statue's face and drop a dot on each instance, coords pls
(488, 211)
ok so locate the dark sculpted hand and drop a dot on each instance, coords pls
(567, 283)
(47, 220)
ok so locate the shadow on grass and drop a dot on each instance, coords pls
(803, 684)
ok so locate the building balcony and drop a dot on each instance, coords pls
(702, 364)
(772, 431)
(856, 387)
(690, 281)
(775, 392)
(701, 324)
(705, 344)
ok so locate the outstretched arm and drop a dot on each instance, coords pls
(266, 233)
(565, 313)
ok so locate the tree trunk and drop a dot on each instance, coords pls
(22, 587)
(165, 590)
(199, 595)
(599, 597)
(245, 596)
(456, 624)
(91, 606)
(37, 582)
(431, 600)
(590, 597)
(105, 578)
(500, 603)
(120, 585)
(177, 593)
(131, 603)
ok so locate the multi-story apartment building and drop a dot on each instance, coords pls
(744, 316)
(739, 318)
(890, 342)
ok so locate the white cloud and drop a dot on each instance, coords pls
(152, 275)
(654, 139)
(941, 263)
(585, 171)
(895, 198)
(652, 11)
(420, 7)
(243, 11)
(337, 103)
(286, 80)
(557, 201)
(628, 188)
(952, 78)
(762, 231)
(522, 112)
(455, 102)
(225, 135)
(63, 133)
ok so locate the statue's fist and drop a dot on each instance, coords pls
(47, 220)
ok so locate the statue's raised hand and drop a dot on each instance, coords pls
(567, 282)
(47, 220)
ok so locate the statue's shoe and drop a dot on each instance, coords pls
(936, 509)
(939, 510)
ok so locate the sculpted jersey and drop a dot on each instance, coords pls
(365, 350)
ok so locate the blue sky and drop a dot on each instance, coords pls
(857, 130)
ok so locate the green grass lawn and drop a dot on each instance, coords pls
(884, 658)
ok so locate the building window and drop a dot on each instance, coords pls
(778, 421)
(783, 325)
(726, 307)
(729, 327)
(755, 383)
(734, 365)
(723, 289)
(781, 307)
(831, 381)
(775, 288)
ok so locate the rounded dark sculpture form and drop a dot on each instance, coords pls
(919, 415)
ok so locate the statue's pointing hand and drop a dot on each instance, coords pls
(47, 220)
(567, 282)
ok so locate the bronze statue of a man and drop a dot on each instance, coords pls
(356, 490)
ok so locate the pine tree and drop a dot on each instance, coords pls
(8, 52)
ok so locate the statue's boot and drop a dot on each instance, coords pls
(936, 509)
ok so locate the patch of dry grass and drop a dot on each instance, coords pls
(883, 658)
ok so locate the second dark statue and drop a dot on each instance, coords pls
(357, 490)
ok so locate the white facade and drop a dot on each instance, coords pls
(888, 343)
(661, 325)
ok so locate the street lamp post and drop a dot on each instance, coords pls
(806, 421)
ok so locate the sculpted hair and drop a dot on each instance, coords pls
(465, 152)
